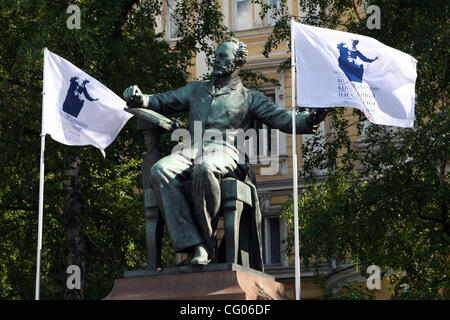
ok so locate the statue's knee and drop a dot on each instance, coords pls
(204, 170)
(156, 172)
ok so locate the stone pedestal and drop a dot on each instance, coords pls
(211, 282)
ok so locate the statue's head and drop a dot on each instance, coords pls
(230, 55)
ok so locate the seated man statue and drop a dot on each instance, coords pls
(222, 104)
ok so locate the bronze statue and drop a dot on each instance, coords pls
(221, 104)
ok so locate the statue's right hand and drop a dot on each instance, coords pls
(134, 97)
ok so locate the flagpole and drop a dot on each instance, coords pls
(40, 219)
(294, 167)
(41, 199)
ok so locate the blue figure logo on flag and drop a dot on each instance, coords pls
(74, 101)
(348, 55)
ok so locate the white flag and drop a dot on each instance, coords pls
(340, 69)
(77, 109)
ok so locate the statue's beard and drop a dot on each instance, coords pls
(224, 71)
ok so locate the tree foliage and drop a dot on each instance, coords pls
(117, 45)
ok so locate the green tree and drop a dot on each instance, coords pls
(117, 45)
(391, 209)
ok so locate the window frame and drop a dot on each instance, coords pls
(269, 20)
(235, 15)
(267, 241)
(170, 24)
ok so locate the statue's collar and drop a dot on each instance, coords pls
(235, 85)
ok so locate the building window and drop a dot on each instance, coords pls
(264, 146)
(243, 14)
(273, 14)
(271, 241)
(173, 20)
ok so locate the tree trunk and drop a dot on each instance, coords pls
(73, 224)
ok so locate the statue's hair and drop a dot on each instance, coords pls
(241, 53)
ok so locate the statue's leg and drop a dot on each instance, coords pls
(206, 178)
(167, 176)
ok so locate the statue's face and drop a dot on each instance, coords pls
(224, 61)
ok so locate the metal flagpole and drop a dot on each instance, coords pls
(294, 166)
(40, 220)
(41, 200)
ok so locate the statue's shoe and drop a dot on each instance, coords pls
(200, 255)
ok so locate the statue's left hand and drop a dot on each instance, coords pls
(316, 117)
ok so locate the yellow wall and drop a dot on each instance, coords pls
(309, 289)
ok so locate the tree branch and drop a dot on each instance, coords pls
(430, 219)
(355, 8)
(124, 10)
(65, 4)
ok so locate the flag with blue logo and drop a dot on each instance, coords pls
(78, 110)
(340, 69)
